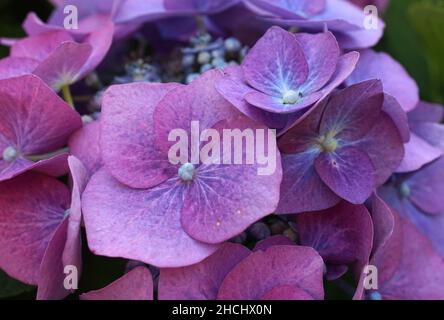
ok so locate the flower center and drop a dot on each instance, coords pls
(404, 190)
(186, 171)
(291, 96)
(328, 143)
(9, 154)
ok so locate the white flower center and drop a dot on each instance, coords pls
(404, 189)
(186, 171)
(291, 97)
(9, 154)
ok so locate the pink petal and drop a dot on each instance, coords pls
(140, 224)
(201, 281)
(84, 144)
(273, 241)
(40, 46)
(31, 208)
(224, 199)
(278, 266)
(15, 67)
(58, 71)
(135, 285)
(127, 137)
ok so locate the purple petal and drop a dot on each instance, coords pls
(417, 254)
(396, 81)
(15, 67)
(276, 63)
(398, 115)
(225, 199)
(35, 122)
(201, 281)
(342, 235)
(302, 189)
(322, 52)
(31, 208)
(352, 112)
(262, 271)
(58, 71)
(383, 144)
(273, 241)
(286, 292)
(51, 277)
(417, 153)
(40, 46)
(348, 172)
(233, 88)
(55, 166)
(345, 66)
(135, 285)
(137, 224)
(127, 134)
(430, 132)
(286, 9)
(426, 112)
(84, 144)
(427, 187)
(190, 106)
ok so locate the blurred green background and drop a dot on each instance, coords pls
(414, 36)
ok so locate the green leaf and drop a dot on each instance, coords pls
(427, 19)
(10, 287)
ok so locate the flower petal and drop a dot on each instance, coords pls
(348, 172)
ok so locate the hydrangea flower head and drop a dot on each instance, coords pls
(198, 206)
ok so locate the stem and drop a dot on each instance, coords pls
(67, 95)
(45, 156)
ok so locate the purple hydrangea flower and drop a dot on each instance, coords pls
(40, 229)
(271, 272)
(285, 73)
(45, 55)
(35, 124)
(344, 19)
(179, 213)
(137, 284)
(343, 148)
